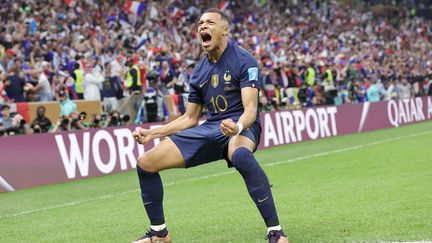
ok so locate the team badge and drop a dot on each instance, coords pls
(215, 80)
(227, 76)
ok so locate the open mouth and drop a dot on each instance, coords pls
(206, 39)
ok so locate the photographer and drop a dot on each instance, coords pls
(41, 123)
(77, 120)
(98, 121)
(116, 119)
(5, 119)
(73, 122)
(305, 95)
(11, 124)
(62, 124)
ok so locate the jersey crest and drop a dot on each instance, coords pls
(215, 80)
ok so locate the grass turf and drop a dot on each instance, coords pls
(374, 186)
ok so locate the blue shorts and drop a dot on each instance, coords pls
(206, 143)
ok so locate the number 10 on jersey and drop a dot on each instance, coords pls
(220, 103)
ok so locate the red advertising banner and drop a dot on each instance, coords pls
(40, 159)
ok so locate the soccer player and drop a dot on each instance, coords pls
(226, 82)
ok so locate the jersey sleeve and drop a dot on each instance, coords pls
(194, 95)
(249, 73)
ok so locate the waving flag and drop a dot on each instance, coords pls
(223, 5)
(69, 3)
(177, 12)
(255, 39)
(135, 7)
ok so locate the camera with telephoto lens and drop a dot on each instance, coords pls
(151, 106)
(118, 120)
(82, 115)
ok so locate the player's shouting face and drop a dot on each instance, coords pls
(213, 30)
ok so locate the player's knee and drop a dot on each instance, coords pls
(242, 158)
(146, 164)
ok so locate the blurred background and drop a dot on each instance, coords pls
(75, 65)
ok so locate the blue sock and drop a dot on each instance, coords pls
(152, 195)
(257, 184)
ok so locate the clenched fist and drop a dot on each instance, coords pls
(229, 128)
(142, 135)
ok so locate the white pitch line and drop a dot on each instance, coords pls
(219, 174)
(6, 185)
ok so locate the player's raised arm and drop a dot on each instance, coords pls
(189, 119)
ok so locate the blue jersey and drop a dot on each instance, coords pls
(217, 85)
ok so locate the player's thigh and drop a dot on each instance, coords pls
(237, 142)
(163, 156)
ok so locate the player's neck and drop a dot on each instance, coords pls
(216, 53)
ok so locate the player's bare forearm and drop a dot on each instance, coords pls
(188, 120)
(250, 104)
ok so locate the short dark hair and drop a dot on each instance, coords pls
(4, 107)
(216, 10)
(41, 107)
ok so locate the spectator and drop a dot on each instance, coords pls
(43, 88)
(15, 85)
(405, 90)
(66, 105)
(181, 86)
(110, 89)
(91, 82)
(41, 124)
(373, 93)
(117, 69)
(389, 91)
(167, 79)
(266, 83)
(360, 89)
(355, 43)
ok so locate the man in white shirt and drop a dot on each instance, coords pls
(91, 83)
(43, 88)
(405, 89)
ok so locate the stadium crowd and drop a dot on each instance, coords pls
(310, 53)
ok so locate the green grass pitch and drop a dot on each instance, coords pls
(373, 187)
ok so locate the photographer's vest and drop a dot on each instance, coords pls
(329, 75)
(310, 78)
(79, 74)
(129, 78)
